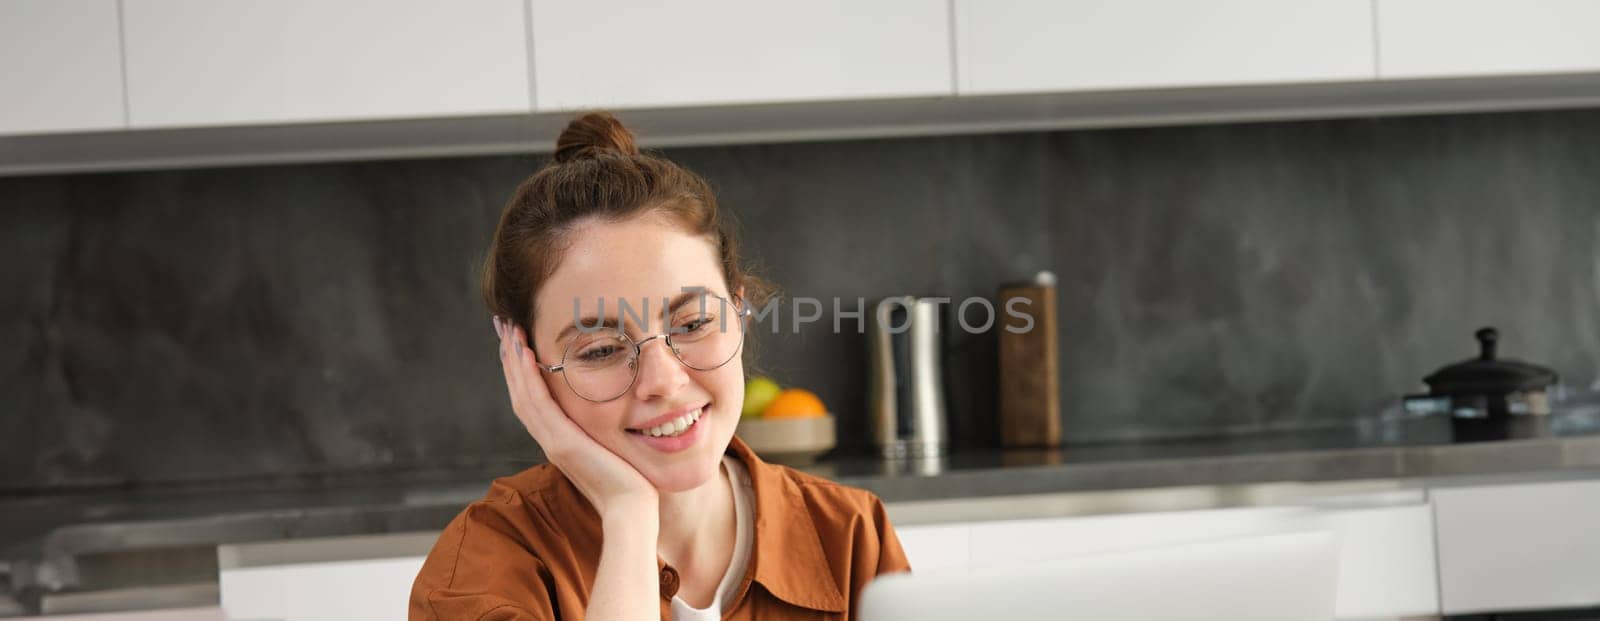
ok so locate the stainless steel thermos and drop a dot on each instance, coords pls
(907, 388)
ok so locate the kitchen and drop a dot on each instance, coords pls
(242, 245)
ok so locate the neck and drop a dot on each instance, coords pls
(697, 525)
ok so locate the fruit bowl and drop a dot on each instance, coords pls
(791, 441)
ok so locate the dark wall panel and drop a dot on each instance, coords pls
(1213, 280)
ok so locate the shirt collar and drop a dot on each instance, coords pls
(788, 558)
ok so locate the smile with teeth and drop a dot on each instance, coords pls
(672, 427)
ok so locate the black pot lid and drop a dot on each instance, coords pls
(1488, 375)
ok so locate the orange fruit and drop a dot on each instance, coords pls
(795, 403)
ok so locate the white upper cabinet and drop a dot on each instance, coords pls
(60, 66)
(643, 54)
(227, 62)
(1444, 38)
(1018, 46)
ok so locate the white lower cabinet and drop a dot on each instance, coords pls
(935, 547)
(1386, 558)
(1023, 541)
(1525, 546)
(356, 578)
(1447, 550)
(1387, 565)
(369, 589)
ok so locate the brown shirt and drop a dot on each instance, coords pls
(530, 548)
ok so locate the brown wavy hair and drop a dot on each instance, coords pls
(598, 172)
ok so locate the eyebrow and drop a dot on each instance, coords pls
(597, 322)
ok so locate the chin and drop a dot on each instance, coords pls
(685, 477)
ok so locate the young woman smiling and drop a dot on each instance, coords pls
(648, 507)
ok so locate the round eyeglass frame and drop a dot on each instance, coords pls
(741, 311)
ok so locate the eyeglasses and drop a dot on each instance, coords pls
(602, 364)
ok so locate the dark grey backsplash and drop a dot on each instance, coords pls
(1213, 280)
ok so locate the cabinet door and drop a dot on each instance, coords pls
(1015, 46)
(1034, 540)
(354, 590)
(1386, 556)
(1442, 38)
(1387, 565)
(1518, 547)
(657, 53)
(223, 62)
(60, 66)
(932, 547)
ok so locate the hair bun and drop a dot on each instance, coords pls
(592, 134)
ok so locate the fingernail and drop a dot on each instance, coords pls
(497, 327)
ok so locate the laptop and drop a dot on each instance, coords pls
(1283, 577)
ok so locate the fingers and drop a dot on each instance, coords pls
(533, 376)
(536, 392)
(530, 396)
(516, 379)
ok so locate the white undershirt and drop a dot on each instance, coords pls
(744, 529)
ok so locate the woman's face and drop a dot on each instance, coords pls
(637, 260)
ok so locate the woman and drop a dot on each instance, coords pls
(649, 506)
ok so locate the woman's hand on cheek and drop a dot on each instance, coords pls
(615, 488)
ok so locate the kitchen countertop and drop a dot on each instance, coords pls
(60, 541)
(1374, 449)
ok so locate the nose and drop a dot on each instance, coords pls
(660, 372)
